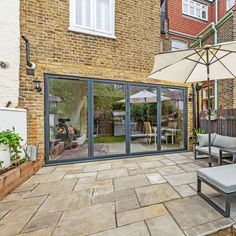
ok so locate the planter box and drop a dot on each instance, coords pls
(5, 156)
(10, 180)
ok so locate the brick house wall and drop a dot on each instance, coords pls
(55, 50)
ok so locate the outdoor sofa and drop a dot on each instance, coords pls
(222, 147)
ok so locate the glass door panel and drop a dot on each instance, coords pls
(68, 119)
(172, 118)
(109, 119)
(143, 118)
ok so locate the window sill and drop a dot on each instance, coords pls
(91, 32)
(194, 17)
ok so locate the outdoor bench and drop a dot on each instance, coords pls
(223, 180)
(222, 147)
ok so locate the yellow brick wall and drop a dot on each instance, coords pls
(56, 50)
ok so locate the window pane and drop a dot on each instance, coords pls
(172, 104)
(68, 119)
(178, 45)
(103, 15)
(109, 119)
(83, 8)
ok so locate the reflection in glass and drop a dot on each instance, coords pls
(109, 119)
(172, 101)
(143, 120)
(68, 116)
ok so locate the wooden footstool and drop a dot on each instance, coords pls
(223, 180)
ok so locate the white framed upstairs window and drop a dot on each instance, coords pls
(96, 17)
(178, 45)
(195, 9)
(229, 4)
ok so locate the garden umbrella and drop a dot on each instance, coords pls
(212, 62)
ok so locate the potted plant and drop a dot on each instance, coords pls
(9, 148)
(204, 114)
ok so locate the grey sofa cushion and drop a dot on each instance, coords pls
(224, 141)
(215, 151)
(223, 177)
(203, 139)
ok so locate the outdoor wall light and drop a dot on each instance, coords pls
(190, 97)
(37, 86)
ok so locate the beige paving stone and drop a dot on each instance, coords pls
(3, 213)
(49, 177)
(210, 227)
(15, 196)
(128, 217)
(70, 169)
(184, 161)
(167, 162)
(180, 179)
(155, 178)
(25, 187)
(190, 167)
(46, 170)
(136, 229)
(175, 156)
(97, 167)
(141, 171)
(81, 175)
(185, 190)
(64, 201)
(149, 164)
(53, 188)
(170, 170)
(36, 201)
(87, 179)
(113, 196)
(164, 226)
(192, 211)
(156, 194)
(87, 220)
(123, 183)
(15, 220)
(94, 184)
(103, 190)
(127, 204)
(41, 232)
(42, 221)
(114, 173)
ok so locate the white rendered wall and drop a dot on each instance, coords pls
(9, 51)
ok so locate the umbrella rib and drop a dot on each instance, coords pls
(217, 59)
(172, 63)
(225, 67)
(197, 62)
(201, 56)
(214, 54)
(225, 50)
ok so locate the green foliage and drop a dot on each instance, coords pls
(196, 132)
(12, 140)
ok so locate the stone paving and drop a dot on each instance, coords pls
(151, 195)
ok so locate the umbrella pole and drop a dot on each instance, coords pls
(208, 105)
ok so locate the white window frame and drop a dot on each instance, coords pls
(180, 43)
(196, 6)
(229, 4)
(92, 30)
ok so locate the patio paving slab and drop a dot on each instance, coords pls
(192, 211)
(95, 184)
(88, 220)
(123, 183)
(113, 196)
(3, 213)
(185, 190)
(210, 227)
(97, 167)
(170, 170)
(190, 167)
(42, 221)
(114, 173)
(53, 187)
(136, 229)
(41, 232)
(149, 164)
(156, 194)
(49, 177)
(155, 178)
(25, 187)
(164, 225)
(80, 175)
(127, 204)
(182, 178)
(65, 201)
(16, 219)
(140, 214)
(141, 171)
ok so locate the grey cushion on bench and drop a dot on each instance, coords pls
(222, 177)
(215, 151)
(203, 139)
(224, 141)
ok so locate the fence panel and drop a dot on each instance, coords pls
(225, 124)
